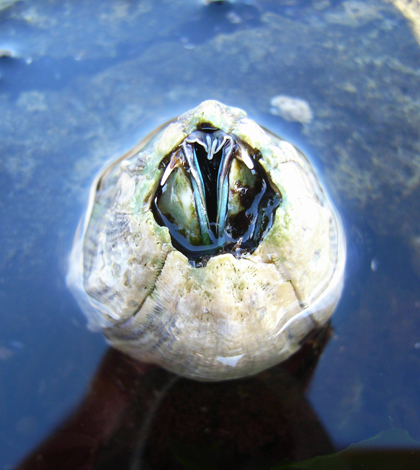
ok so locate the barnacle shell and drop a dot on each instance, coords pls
(237, 312)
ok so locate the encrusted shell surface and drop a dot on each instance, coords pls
(234, 315)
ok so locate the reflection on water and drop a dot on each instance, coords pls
(139, 416)
(82, 83)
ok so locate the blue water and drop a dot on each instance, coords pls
(81, 83)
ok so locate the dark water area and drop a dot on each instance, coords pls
(80, 84)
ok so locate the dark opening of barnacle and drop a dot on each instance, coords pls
(214, 196)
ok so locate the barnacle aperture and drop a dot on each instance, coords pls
(214, 196)
(210, 248)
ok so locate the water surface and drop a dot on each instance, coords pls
(82, 82)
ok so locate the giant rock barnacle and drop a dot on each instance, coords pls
(209, 249)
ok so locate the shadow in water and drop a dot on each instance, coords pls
(140, 416)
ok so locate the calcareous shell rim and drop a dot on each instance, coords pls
(102, 317)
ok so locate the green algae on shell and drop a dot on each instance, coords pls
(209, 249)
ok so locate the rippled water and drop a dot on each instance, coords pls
(80, 83)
